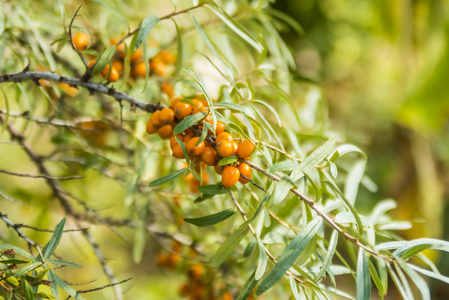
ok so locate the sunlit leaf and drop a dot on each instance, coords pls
(211, 219)
(147, 24)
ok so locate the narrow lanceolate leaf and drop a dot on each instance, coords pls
(27, 269)
(248, 288)
(188, 122)
(228, 246)
(54, 241)
(211, 219)
(262, 261)
(407, 249)
(313, 159)
(67, 288)
(28, 291)
(416, 279)
(294, 288)
(289, 255)
(145, 29)
(104, 59)
(237, 107)
(179, 52)
(430, 274)
(363, 277)
(64, 263)
(53, 285)
(213, 189)
(228, 160)
(167, 178)
(330, 254)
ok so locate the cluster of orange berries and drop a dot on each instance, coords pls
(201, 153)
(158, 64)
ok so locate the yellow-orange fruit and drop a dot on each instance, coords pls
(209, 156)
(167, 89)
(91, 63)
(162, 259)
(196, 271)
(111, 76)
(158, 66)
(177, 152)
(120, 48)
(188, 137)
(167, 57)
(225, 148)
(68, 89)
(174, 142)
(218, 169)
(194, 149)
(200, 106)
(167, 115)
(194, 184)
(235, 146)
(220, 128)
(226, 296)
(150, 128)
(182, 110)
(245, 149)
(136, 56)
(139, 70)
(245, 170)
(174, 102)
(230, 176)
(172, 261)
(118, 65)
(156, 119)
(224, 136)
(81, 40)
(166, 131)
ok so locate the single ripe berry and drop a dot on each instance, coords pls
(91, 63)
(167, 89)
(167, 57)
(118, 65)
(188, 137)
(156, 119)
(136, 56)
(244, 170)
(81, 40)
(166, 131)
(245, 149)
(177, 152)
(235, 146)
(230, 176)
(182, 110)
(209, 156)
(167, 116)
(225, 148)
(150, 128)
(200, 106)
(194, 149)
(174, 102)
(139, 70)
(220, 128)
(218, 169)
(111, 76)
(224, 136)
(174, 142)
(120, 48)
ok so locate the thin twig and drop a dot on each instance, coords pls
(29, 241)
(71, 40)
(40, 176)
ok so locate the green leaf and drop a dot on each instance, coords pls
(188, 122)
(236, 27)
(102, 3)
(184, 149)
(140, 239)
(309, 163)
(67, 288)
(286, 18)
(179, 52)
(282, 189)
(294, 288)
(228, 246)
(329, 255)
(406, 249)
(430, 274)
(248, 287)
(289, 255)
(375, 277)
(237, 107)
(213, 189)
(211, 219)
(353, 180)
(27, 269)
(363, 277)
(54, 241)
(262, 261)
(271, 108)
(345, 149)
(29, 295)
(147, 24)
(14, 261)
(228, 160)
(104, 59)
(53, 285)
(167, 178)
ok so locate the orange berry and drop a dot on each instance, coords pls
(91, 63)
(174, 102)
(209, 156)
(81, 40)
(174, 142)
(245, 149)
(150, 128)
(196, 271)
(139, 70)
(68, 89)
(194, 149)
(114, 76)
(226, 296)
(194, 184)
(244, 170)
(162, 259)
(167, 57)
(172, 261)
(158, 66)
(167, 116)
(235, 145)
(188, 137)
(136, 56)
(200, 106)
(177, 152)
(166, 131)
(120, 48)
(182, 110)
(224, 136)
(167, 89)
(184, 290)
(225, 148)
(118, 65)
(156, 119)
(218, 169)
(220, 128)
(230, 176)
(206, 105)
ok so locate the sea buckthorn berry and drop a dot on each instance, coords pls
(182, 110)
(235, 145)
(139, 70)
(230, 176)
(172, 261)
(150, 128)
(225, 148)
(244, 170)
(220, 128)
(224, 136)
(136, 56)
(194, 149)
(245, 149)
(167, 57)
(167, 89)
(113, 76)
(174, 102)
(196, 271)
(188, 137)
(206, 105)
(91, 63)
(162, 259)
(200, 106)
(158, 66)
(194, 184)
(120, 48)
(167, 115)
(166, 131)
(81, 40)
(118, 65)
(174, 142)
(209, 156)
(156, 119)
(177, 152)
(218, 169)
